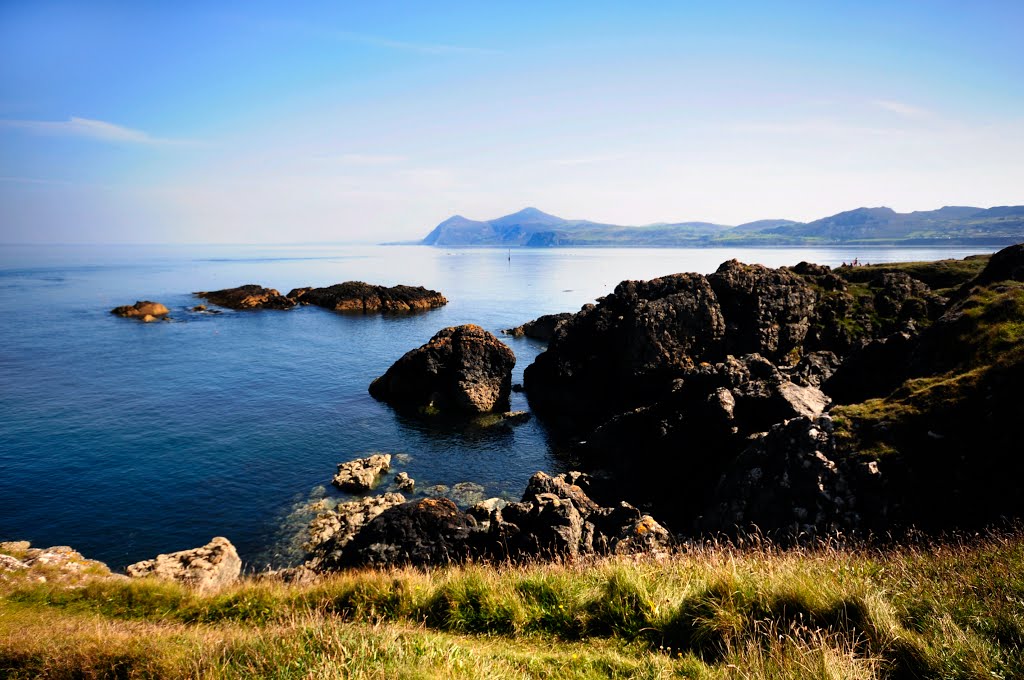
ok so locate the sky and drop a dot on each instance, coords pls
(249, 122)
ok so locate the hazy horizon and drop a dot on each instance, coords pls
(316, 123)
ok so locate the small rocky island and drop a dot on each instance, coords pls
(351, 296)
(461, 370)
(145, 311)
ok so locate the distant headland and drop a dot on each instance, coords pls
(950, 225)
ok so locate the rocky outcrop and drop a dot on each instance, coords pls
(628, 349)
(356, 296)
(431, 531)
(542, 328)
(57, 564)
(143, 310)
(210, 567)
(555, 519)
(331, 531)
(357, 476)
(792, 480)
(249, 296)
(462, 370)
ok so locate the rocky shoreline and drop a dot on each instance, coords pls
(798, 401)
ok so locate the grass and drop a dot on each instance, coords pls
(949, 609)
(942, 276)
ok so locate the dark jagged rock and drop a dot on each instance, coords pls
(542, 328)
(431, 531)
(813, 369)
(356, 296)
(331, 531)
(249, 296)
(792, 480)
(688, 369)
(767, 311)
(625, 350)
(143, 310)
(874, 370)
(555, 519)
(461, 370)
(1006, 265)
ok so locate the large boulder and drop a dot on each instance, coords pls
(461, 370)
(431, 531)
(144, 310)
(361, 474)
(356, 296)
(249, 296)
(210, 567)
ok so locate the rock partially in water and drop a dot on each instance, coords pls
(431, 531)
(249, 296)
(462, 370)
(210, 567)
(359, 475)
(331, 531)
(555, 519)
(356, 296)
(404, 482)
(143, 310)
(542, 328)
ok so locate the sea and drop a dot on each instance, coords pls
(125, 440)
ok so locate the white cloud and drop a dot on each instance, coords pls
(903, 109)
(585, 160)
(88, 128)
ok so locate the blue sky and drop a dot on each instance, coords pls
(253, 122)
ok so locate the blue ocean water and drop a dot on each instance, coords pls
(126, 440)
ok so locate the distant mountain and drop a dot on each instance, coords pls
(533, 228)
(512, 230)
(885, 224)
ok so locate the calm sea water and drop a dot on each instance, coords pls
(125, 440)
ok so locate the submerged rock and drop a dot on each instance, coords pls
(462, 370)
(212, 566)
(143, 310)
(249, 296)
(356, 296)
(361, 474)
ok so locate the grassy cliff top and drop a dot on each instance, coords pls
(950, 609)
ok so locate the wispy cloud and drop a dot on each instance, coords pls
(363, 159)
(903, 109)
(90, 129)
(585, 160)
(816, 127)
